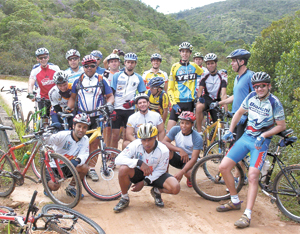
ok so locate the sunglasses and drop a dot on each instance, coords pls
(263, 85)
(73, 58)
(43, 57)
(89, 66)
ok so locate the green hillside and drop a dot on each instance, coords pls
(237, 19)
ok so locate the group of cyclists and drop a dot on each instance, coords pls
(139, 105)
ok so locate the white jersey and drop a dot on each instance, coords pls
(108, 76)
(137, 119)
(57, 99)
(74, 75)
(157, 160)
(64, 144)
(126, 87)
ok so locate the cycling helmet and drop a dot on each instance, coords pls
(88, 59)
(41, 51)
(260, 77)
(239, 54)
(60, 77)
(97, 54)
(211, 56)
(187, 115)
(157, 82)
(112, 57)
(198, 55)
(147, 131)
(130, 56)
(223, 70)
(186, 45)
(82, 118)
(72, 52)
(156, 56)
(141, 96)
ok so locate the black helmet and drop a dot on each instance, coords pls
(260, 77)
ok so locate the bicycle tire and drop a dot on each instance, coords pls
(7, 183)
(62, 196)
(288, 203)
(19, 113)
(37, 163)
(107, 188)
(205, 182)
(214, 148)
(84, 225)
(29, 124)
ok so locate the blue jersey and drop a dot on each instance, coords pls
(242, 87)
(100, 70)
(262, 114)
(188, 143)
(74, 75)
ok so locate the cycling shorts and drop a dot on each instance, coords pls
(186, 106)
(176, 161)
(213, 113)
(122, 118)
(139, 176)
(66, 171)
(244, 145)
(47, 104)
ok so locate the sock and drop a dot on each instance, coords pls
(248, 213)
(235, 199)
(125, 196)
(156, 190)
(92, 169)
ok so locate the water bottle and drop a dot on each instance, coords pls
(264, 170)
(25, 158)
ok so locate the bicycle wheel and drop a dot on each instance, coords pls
(107, 188)
(29, 125)
(81, 225)
(19, 113)
(36, 164)
(287, 200)
(7, 182)
(215, 148)
(208, 182)
(63, 195)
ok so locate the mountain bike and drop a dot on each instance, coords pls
(55, 169)
(65, 117)
(17, 111)
(102, 159)
(55, 218)
(282, 187)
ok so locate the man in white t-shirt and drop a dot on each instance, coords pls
(143, 116)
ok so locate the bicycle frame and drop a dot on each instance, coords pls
(36, 115)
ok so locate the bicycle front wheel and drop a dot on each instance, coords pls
(216, 148)
(29, 125)
(61, 192)
(80, 224)
(19, 113)
(287, 199)
(208, 182)
(107, 188)
(7, 182)
(36, 164)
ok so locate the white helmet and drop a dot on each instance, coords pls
(186, 45)
(141, 96)
(211, 56)
(72, 52)
(41, 51)
(147, 131)
(60, 77)
(112, 57)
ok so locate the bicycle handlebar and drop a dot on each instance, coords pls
(100, 109)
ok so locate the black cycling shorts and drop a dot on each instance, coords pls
(213, 113)
(66, 171)
(139, 176)
(122, 118)
(176, 161)
(189, 106)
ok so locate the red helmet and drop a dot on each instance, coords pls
(187, 115)
(88, 59)
(82, 118)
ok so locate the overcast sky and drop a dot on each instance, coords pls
(167, 7)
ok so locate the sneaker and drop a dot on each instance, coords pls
(157, 198)
(71, 191)
(93, 175)
(189, 183)
(243, 222)
(112, 164)
(229, 206)
(122, 204)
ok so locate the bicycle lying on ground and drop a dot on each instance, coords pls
(55, 169)
(102, 159)
(55, 218)
(283, 188)
(17, 111)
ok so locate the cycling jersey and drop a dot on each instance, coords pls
(242, 87)
(188, 143)
(74, 75)
(213, 85)
(147, 75)
(89, 94)
(126, 87)
(262, 114)
(158, 103)
(100, 70)
(44, 78)
(205, 71)
(157, 160)
(183, 81)
(108, 75)
(59, 98)
(137, 119)
(63, 143)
